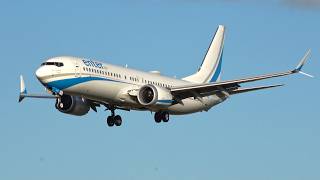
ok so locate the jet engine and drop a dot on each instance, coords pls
(149, 95)
(74, 105)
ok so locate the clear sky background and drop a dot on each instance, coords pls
(272, 134)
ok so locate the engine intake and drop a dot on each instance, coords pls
(149, 95)
(74, 105)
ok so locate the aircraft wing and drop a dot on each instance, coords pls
(232, 86)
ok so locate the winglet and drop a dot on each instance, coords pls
(23, 90)
(302, 61)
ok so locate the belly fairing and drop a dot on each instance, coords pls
(191, 105)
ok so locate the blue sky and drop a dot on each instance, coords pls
(271, 134)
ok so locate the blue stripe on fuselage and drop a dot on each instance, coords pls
(166, 101)
(66, 83)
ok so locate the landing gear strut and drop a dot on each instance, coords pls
(114, 119)
(161, 116)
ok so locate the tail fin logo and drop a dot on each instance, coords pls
(217, 72)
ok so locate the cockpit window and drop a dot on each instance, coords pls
(58, 64)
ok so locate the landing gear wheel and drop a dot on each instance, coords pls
(161, 116)
(110, 121)
(117, 120)
(157, 117)
(165, 116)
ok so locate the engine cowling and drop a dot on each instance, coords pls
(74, 105)
(150, 95)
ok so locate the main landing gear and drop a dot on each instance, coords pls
(161, 116)
(114, 119)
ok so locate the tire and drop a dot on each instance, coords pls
(110, 121)
(117, 120)
(165, 117)
(157, 117)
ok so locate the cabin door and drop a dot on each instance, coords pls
(77, 69)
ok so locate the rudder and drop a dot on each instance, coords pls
(210, 69)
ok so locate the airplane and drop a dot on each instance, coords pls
(81, 84)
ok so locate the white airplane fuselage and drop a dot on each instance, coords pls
(79, 85)
(112, 84)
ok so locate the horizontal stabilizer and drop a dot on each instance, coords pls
(243, 90)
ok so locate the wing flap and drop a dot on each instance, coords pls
(244, 90)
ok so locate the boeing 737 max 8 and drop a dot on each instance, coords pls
(79, 84)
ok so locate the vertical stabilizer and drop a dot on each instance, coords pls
(210, 68)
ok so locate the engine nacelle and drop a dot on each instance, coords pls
(74, 105)
(149, 95)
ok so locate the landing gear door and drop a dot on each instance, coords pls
(77, 69)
